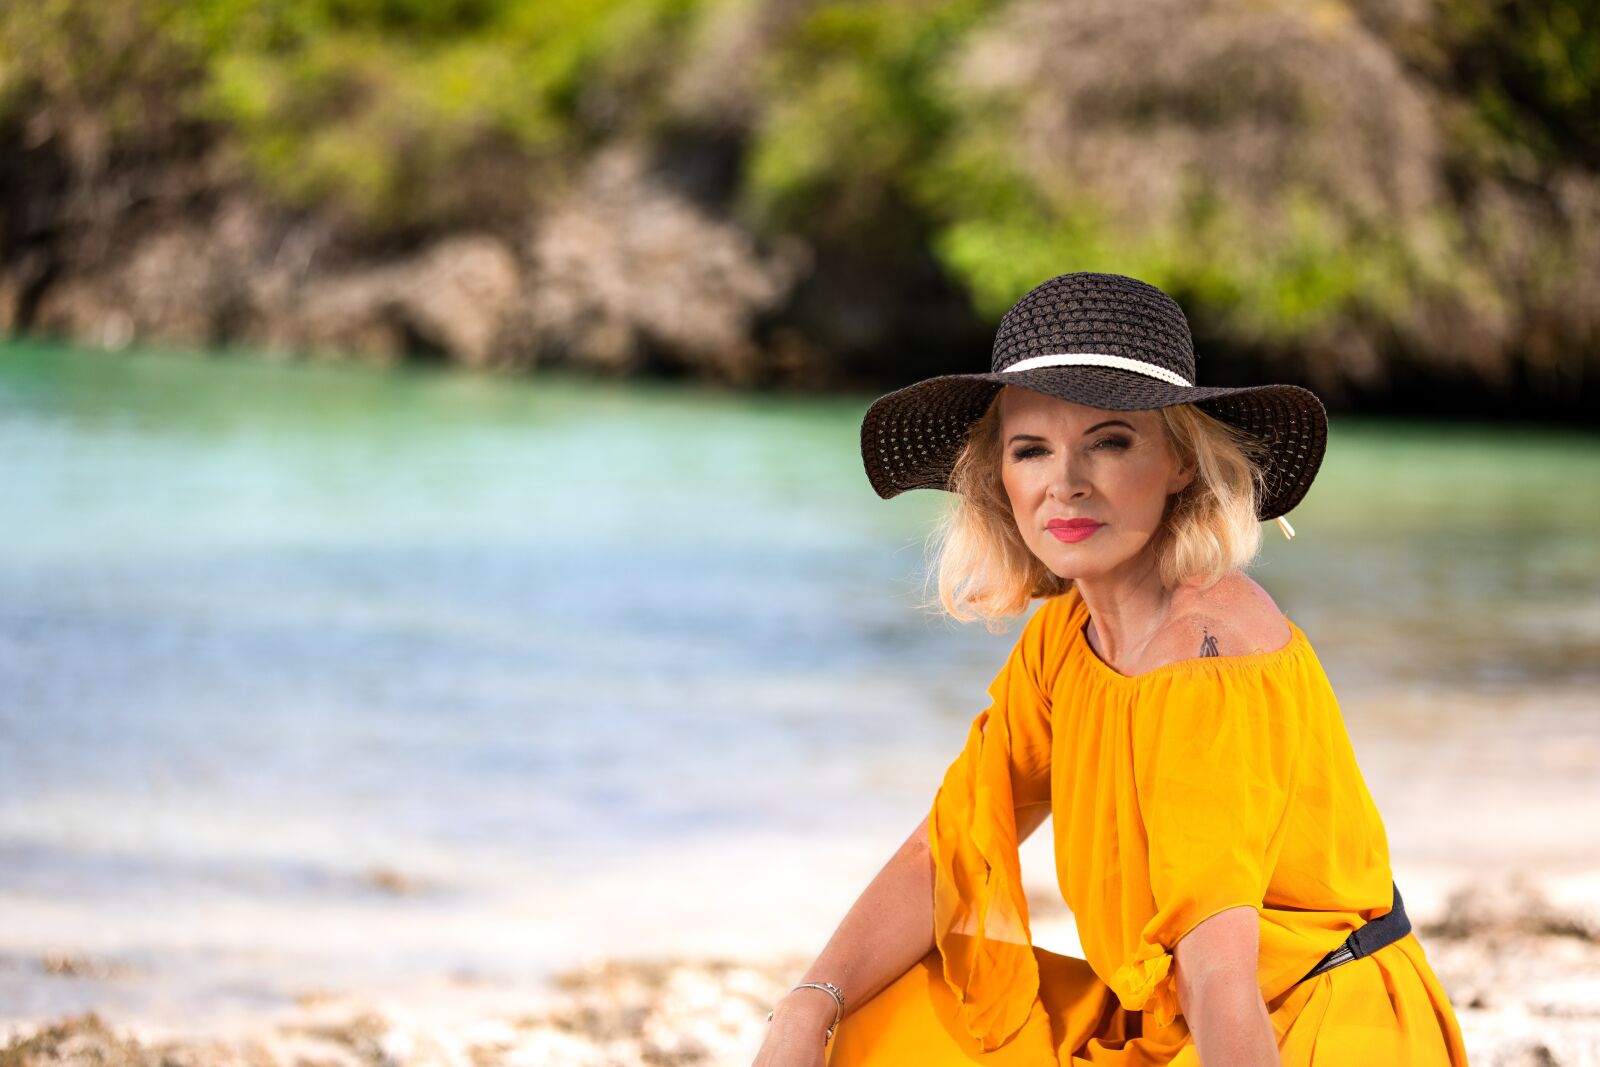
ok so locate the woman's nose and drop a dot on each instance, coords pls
(1068, 481)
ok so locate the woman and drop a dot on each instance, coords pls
(1227, 868)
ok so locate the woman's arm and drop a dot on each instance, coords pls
(889, 928)
(886, 931)
(1216, 966)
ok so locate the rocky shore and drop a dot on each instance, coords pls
(1394, 204)
(620, 274)
(1523, 973)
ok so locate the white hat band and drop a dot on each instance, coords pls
(1099, 359)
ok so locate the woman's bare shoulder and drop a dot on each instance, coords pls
(1234, 617)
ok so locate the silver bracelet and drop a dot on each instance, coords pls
(833, 991)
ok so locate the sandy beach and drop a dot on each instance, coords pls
(1520, 957)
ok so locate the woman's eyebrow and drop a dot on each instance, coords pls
(1109, 422)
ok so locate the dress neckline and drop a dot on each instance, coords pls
(1080, 639)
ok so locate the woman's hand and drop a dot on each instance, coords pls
(797, 1035)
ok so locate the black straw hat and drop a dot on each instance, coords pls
(1107, 341)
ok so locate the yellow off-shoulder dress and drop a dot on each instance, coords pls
(1175, 794)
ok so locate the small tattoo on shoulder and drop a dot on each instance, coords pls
(1208, 647)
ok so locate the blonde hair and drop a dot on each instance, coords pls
(985, 570)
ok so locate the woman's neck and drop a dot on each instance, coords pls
(1126, 609)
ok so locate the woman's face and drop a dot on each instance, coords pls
(1062, 461)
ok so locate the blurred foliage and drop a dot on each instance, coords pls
(1531, 69)
(406, 114)
(855, 113)
(864, 122)
(378, 109)
(381, 107)
(124, 66)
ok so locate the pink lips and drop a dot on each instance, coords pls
(1071, 530)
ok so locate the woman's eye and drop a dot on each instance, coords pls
(1105, 442)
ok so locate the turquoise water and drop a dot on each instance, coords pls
(267, 627)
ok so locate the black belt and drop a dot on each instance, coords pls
(1384, 930)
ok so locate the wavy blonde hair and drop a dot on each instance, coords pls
(985, 570)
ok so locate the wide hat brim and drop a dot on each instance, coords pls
(910, 438)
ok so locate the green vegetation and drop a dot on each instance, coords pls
(1531, 69)
(394, 113)
(405, 116)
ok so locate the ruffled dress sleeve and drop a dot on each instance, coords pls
(980, 914)
(1216, 751)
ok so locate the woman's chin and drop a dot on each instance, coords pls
(1071, 566)
(1077, 562)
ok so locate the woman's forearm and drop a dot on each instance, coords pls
(1217, 989)
(887, 930)
(1231, 1026)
